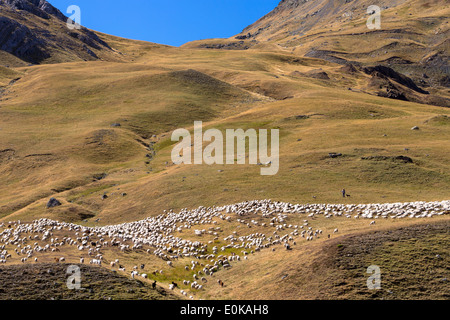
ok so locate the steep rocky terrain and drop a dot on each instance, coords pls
(36, 32)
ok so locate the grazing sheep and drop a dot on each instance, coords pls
(160, 232)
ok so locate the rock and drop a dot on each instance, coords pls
(243, 37)
(386, 72)
(335, 155)
(90, 52)
(20, 41)
(53, 203)
(415, 128)
(33, 43)
(40, 8)
(404, 159)
(99, 176)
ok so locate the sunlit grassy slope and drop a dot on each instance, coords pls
(412, 39)
(57, 137)
(80, 130)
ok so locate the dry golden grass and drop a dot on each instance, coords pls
(57, 120)
(56, 140)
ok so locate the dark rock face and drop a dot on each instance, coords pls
(40, 8)
(30, 40)
(392, 92)
(53, 203)
(48, 8)
(387, 72)
(20, 41)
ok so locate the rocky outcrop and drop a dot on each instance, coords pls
(53, 202)
(39, 8)
(386, 72)
(20, 41)
(31, 39)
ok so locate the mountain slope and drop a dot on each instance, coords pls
(414, 34)
(35, 32)
(413, 41)
(81, 129)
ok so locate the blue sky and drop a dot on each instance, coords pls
(171, 22)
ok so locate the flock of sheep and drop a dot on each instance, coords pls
(162, 235)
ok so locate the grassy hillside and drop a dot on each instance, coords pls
(58, 138)
(411, 253)
(96, 136)
(47, 281)
(413, 38)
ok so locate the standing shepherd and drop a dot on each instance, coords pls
(343, 193)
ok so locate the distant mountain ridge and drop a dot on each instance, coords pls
(413, 38)
(296, 17)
